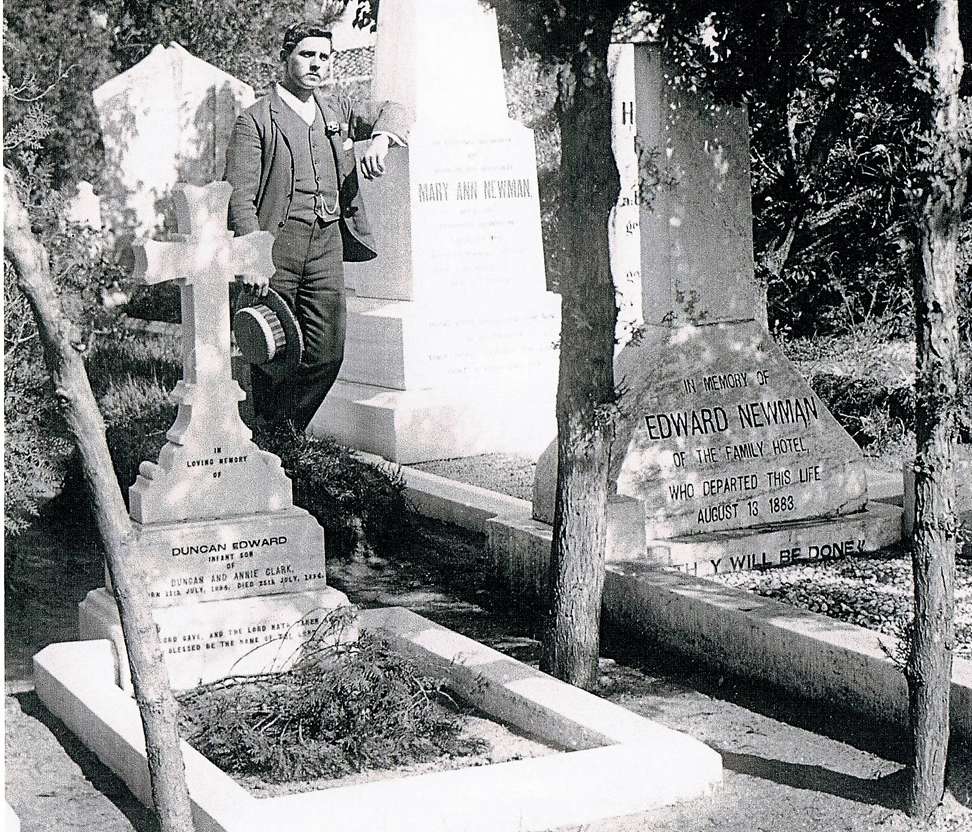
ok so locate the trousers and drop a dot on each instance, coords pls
(309, 262)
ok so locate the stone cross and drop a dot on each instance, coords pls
(208, 437)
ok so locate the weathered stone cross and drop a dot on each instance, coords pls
(207, 468)
(204, 257)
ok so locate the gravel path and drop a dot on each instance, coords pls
(506, 473)
(873, 592)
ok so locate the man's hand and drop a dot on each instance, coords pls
(373, 161)
(256, 285)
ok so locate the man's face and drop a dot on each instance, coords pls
(304, 66)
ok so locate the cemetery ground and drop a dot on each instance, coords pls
(788, 763)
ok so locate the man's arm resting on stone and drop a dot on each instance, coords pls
(384, 122)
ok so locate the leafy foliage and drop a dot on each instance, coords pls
(35, 443)
(341, 711)
(55, 54)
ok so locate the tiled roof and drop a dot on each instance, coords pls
(353, 63)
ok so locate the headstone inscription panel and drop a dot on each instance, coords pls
(722, 437)
(728, 436)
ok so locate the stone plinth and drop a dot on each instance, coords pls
(503, 414)
(238, 557)
(204, 642)
(723, 449)
(407, 346)
(450, 332)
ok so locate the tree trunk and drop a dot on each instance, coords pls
(61, 341)
(586, 392)
(929, 665)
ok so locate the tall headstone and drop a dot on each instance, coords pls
(725, 459)
(165, 120)
(451, 332)
(235, 571)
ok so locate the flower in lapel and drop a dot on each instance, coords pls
(332, 128)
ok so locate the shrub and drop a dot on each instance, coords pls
(865, 381)
(363, 708)
(360, 506)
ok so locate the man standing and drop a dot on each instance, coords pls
(291, 163)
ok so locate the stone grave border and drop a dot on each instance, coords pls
(808, 654)
(619, 763)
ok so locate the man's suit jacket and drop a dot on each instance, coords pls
(260, 165)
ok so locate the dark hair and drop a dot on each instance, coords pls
(296, 32)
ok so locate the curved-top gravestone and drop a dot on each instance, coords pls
(725, 458)
(165, 120)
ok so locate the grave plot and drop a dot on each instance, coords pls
(610, 762)
(235, 571)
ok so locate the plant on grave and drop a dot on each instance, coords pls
(343, 711)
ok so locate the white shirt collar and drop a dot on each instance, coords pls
(307, 110)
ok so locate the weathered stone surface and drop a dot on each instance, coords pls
(502, 411)
(234, 557)
(724, 433)
(455, 217)
(718, 431)
(165, 120)
(235, 573)
(209, 467)
(684, 167)
(442, 61)
(204, 642)
(451, 332)
(780, 544)
(406, 346)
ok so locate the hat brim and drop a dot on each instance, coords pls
(286, 362)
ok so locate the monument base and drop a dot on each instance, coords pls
(497, 415)
(404, 345)
(776, 544)
(210, 640)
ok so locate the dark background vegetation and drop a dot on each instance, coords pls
(833, 132)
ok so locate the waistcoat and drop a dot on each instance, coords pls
(315, 174)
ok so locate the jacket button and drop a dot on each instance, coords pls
(280, 224)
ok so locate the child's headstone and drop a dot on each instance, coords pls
(234, 570)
